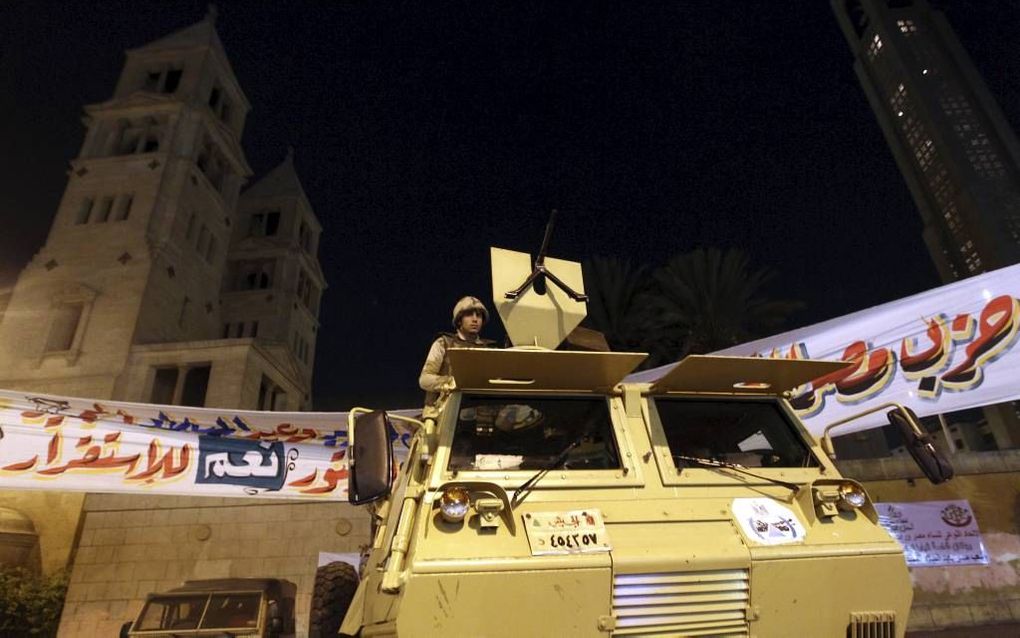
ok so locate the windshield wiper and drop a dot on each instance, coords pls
(522, 492)
(736, 467)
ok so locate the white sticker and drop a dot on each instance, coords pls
(767, 522)
(498, 461)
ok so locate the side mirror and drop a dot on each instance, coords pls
(934, 465)
(125, 629)
(370, 458)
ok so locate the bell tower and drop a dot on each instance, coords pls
(138, 243)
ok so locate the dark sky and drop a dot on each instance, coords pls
(426, 132)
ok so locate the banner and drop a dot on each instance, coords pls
(60, 443)
(946, 349)
(934, 533)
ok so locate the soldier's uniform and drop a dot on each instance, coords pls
(435, 374)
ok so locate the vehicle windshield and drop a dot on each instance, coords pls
(528, 433)
(200, 611)
(747, 433)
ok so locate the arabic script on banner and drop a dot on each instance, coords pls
(79, 445)
(934, 533)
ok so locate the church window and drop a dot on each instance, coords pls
(84, 210)
(129, 139)
(254, 275)
(152, 81)
(226, 331)
(173, 80)
(124, 203)
(164, 386)
(254, 329)
(264, 224)
(151, 143)
(64, 327)
(239, 329)
(164, 80)
(196, 384)
(103, 210)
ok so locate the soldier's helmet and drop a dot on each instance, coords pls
(466, 305)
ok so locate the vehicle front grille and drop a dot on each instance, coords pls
(711, 603)
(872, 624)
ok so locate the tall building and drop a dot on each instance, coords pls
(162, 280)
(957, 153)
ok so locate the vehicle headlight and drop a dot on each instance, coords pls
(454, 504)
(852, 495)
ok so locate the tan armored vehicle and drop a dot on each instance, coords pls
(256, 607)
(549, 497)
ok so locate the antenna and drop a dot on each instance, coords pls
(539, 273)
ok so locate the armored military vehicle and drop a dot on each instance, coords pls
(548, 496)
(256, 607)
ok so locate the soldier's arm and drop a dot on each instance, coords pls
(430, 380)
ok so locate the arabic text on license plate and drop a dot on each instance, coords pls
(580, 531)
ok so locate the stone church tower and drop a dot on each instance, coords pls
(162, 282)
(146, 288)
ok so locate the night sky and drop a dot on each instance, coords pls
(426, 132)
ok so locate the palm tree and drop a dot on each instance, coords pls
(706, 300)
(613, 287)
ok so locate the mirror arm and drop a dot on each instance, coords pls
(827, 444)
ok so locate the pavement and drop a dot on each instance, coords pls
(1009, 630)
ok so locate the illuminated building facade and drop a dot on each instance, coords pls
(956, 151)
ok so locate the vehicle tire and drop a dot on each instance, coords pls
(335, 585)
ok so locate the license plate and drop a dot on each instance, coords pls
(575, 532)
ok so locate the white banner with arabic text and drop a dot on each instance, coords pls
(61, 443)
(946, 349)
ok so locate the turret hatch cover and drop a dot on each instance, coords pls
(742, 375)
(484, 369)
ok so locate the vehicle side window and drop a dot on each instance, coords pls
(525, 433)
(749, 433)
(173, 612)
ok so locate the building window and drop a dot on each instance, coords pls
(142, 135)
(102, 213)
(264, 224)
(170, 387)
(271, 396)
(164, 385)
(104, 209)
(254, 275)
(64, 327)
(190, 232)
(124, 203)
(196, 384)
(84, 210)
(165, 80)
(219, 104)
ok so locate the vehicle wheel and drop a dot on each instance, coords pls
(335, 585)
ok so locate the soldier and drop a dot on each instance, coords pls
(469, 315)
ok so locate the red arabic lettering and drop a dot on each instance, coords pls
(997, 331)
(871, 374)
(93, 458)
(330, 478)
(167, 464)
(23, 465)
